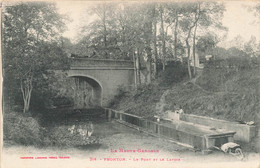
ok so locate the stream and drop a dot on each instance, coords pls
(120, 146)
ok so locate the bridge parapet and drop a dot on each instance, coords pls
(87, 63)
(105, 76)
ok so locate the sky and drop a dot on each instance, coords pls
(237, 19)
(240, 21)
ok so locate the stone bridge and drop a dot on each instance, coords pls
(105, 76)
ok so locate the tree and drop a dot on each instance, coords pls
(251, 47)
(102, 34)
(174, 14)
(207, 43)
(130, 31)
(30, 47)
(191, 13)
(198, 14)
(210, 14)
(147, 34)
(176, 33)
(237, 42)
(256, 11)
(155, 53)
(101, 11)
(163, 36)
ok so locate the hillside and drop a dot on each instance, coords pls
(225, 93)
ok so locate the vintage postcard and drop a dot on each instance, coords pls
(98, 84)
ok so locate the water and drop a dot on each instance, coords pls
(83, 124)
(70, 116)
(113, 137)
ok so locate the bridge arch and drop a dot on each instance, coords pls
(109, 74)
(97, 89)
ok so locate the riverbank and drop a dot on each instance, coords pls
(116, 137)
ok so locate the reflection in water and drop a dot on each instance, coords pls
(85, 130)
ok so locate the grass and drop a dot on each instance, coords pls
(219, 93)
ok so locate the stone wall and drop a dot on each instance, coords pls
(243, 132)
(183, 133)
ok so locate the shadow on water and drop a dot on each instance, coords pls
(70, 116)
(91, 147)
(69, 127)
(88, 147)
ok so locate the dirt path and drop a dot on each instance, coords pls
(118, 137)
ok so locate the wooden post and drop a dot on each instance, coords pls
(135, 70)
(109, 115)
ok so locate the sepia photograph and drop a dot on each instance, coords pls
(160, 84)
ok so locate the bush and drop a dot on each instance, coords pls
(217, 72)
(62, 101)
(61, 137)
(21, 129)
(122, 92)
(174, 72)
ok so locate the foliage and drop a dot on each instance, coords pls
(30, 47)
(207, 43)
(251, 48)
(60, 136)
(233, 57)
(21, 129)
(122, 93)
(223, 66)
(174, 73)
(25, 129)
(128, 31)
(142, 101)
(231, 95)
(255, 10)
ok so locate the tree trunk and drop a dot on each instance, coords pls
(175, 36)
(188, 36)
(155, 43)
(148, 38)
(163, 39)
(194, 49)
(138, 66)
(105, 29)
(148, 64)
(134, 60)
(197, 16)
(26, 88)
(188, 50)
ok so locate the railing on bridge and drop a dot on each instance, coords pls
(87, 63)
